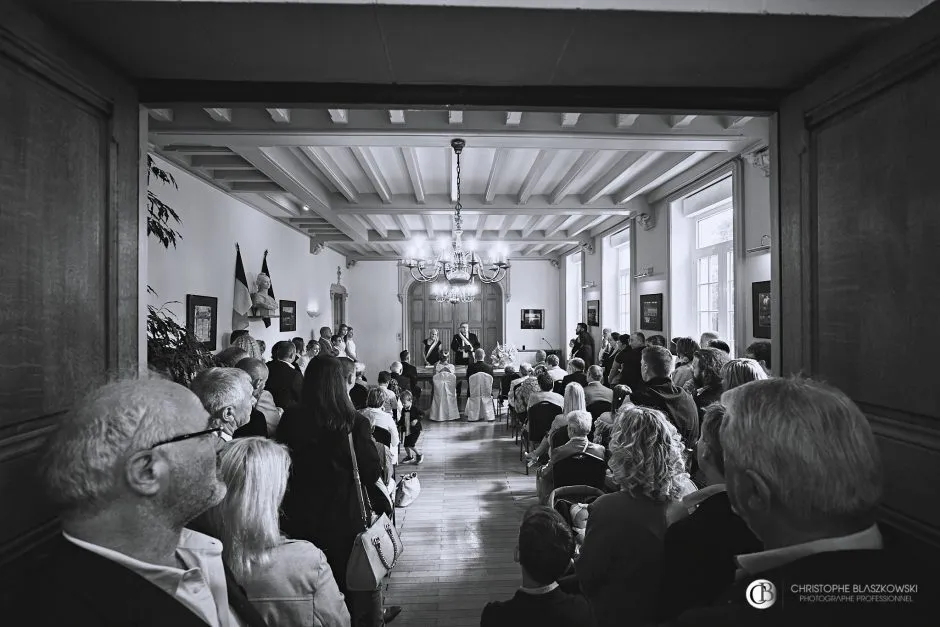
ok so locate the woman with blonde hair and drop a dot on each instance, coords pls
(737, 372)
(288, 581)
(622, 560)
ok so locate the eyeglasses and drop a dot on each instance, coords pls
(216, 430)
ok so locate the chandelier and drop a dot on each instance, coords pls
(459, 267)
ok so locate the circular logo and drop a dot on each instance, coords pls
(761, 594)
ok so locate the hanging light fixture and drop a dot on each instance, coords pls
(459, 267)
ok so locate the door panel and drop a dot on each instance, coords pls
(857, 293)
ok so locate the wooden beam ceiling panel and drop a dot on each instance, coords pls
(481, 225)
(504, 226)
(579, 225)
(241, 176)
(473, 204)
(513, 118)
(220, 162)
(339, 116)
(603, 185)
(376, 225)
(428, 226)
(414, 172)
(455, 117)
(665, 167)
(220, 115)
(542, 161)
(257, 187)
(402, 225)
(552, 227)
(332, 171)
(489, 237)
(736, 121)
(626, 120)
(490, 194)
(164, 115)
(281, 116)
(570, 119)
(366, 161)
(680, 121)
(396, 116)
(530, 225)
(561, 190)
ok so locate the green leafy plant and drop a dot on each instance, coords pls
(171, 349)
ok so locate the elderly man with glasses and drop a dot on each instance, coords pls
(228, 394)
(128, 468)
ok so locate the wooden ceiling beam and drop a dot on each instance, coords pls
(372, 171)
(256, 187)
(428, 226)
(493, 179)
(570, 119)
(626, 120)
(332, 171)
(220, 115)
(662, 169)
(402, 225)
(736, 121)
(680, 121)
(164, 115)
(579, 225)
(455, 117)
(630, 162)
(561, 190)
(513, 118)
(488, 237)
(281, 116)
(376, 226)
(504, 226)
(481, 225)
(552, 227)
(396, 116)
(542, 161)
(241, 176)
(414, 172)
(339, 116)
(438, 204)
(530, 225)
(219, 162)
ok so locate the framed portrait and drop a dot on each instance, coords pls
(533, 319)
(651, 312)
(202, 314)
(594, 313)
(288, 311)
(760, 307)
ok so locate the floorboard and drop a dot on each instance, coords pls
(460, 534)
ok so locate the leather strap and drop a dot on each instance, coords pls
(360, 489)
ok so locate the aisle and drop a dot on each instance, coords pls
(460, 534)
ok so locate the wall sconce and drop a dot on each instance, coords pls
(313, 313)
(644, 274)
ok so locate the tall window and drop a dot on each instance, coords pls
(623, 286)
(714, 259)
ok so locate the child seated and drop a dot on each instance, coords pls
(411, 426)
(544, 552)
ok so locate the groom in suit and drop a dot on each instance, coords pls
(461, 347)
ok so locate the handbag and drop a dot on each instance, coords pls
(409, 487)
(377, 547)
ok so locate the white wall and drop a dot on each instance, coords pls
(534, 285)
(756, 266)
(373, 310)
(203, 262)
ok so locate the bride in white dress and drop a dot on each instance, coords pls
(444, 402)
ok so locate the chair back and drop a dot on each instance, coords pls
(481, 385)
(581, 469)
(540, 419)
(559, 387)
(382, 436)
(560, 437)
(505, 382)
(597, 408)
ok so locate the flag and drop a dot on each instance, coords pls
(241, 301)
(264, 269)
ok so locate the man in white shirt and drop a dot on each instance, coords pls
(558, 373)
(129, 467)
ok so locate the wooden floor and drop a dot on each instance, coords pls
(460, 534)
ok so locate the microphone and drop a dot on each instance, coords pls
(549, 343)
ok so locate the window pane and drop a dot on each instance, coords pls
(730, 261)
(703, 322)
(702, 297)
(713, 296)
(716, 228)
(713, 321)
(713, 269)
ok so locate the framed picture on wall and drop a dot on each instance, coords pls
(651, 312)
(202, 313)
(594, 313)
(533, 319)
(288, 315)
(760, 308)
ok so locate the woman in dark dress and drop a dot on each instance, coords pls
(321, 505)
(432, 348)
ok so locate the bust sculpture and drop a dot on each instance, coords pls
(262, 303)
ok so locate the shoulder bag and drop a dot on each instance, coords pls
(377, 547)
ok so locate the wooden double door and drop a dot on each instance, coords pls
(484, 315)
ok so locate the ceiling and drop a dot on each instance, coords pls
(369, 182)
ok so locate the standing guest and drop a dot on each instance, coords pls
(554, 368)
(228, 357)
(128, 468)
(432, 349)
(707, 338)
(595, 390)
(607, 357)
(313, 350)
(288, 581)
(339, 346)
(544, 552)
(621, 561)
(264, 401)
(685, 353)
(656, 340)
(258, 424)
(411, 418)
(659, 392)
(720, 345)
(584, 344)
(410, 371)
(361, 372)
(704, 569)
(760, 352)
(321, 504)
(300, 359)
(350, 344)
(243, 340)
(603, 426)
(263, 348)
(607, 344)
(360, 391)
(226, 393)
(706, 376)
(627, 365)
(575, 373)
(737, 372)
(326, 344)
(284, 382)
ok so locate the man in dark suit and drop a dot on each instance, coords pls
(575, 374)
(479, 364)
(126, 483)
(803, 470)
(544, 553)
(410, 371)
(284, 382)
(660, 393)
(326, 343)
(463, 344)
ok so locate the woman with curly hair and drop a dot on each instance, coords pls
(685, 353)
(621, 562)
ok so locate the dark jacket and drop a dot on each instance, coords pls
(479, 366)
(285, 384)
(88, 589)
(661, 394)
(256, 426)
(584, 348)
(630, 372)
(411, 372)
(552, 609)
(862, 567)
(457, 352)
(700, 555)
(575, 377)
(434, 356)
(358, 395)
(705, 397)
(321, 504)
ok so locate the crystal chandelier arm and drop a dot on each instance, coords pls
(496, 277)
(421, 276)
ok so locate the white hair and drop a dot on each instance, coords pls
(525, 368)
(579, 423)
(395, 367)
(218, 388)
(78, 469)
(809, 442)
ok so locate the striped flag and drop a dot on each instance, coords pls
(264, 269)
(241, 301)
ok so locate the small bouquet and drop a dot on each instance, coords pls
(504, 355)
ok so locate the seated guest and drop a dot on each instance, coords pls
(243, 340)
(479, 364)
(378, 417)
(685, 353)
(720, 345)
(288, 581)
(528, 386)
(603, 426)
(360, 391)
(396, 370)
(326, 343)
(390, 403)
(760, 352)
(300, 360)
(361, 372)
(409, 370)
(558, 373)
(226, 393)
(284, 382)
(702, 544)
(411, 421)
(660, 393)
(525, 371)
(707, 338)
(656, 340)
(228, 357)
(737, 372)
(540, 359)
(128, 468)
(544, 553)
(579, 425)
(804, 471)
(706, 377)
(545, 392)
(575, 373)
(621, 561)
(594, 390)
(258, 424)
(573, 401)
(509, 375)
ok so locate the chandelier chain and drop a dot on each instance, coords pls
(458, 206)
